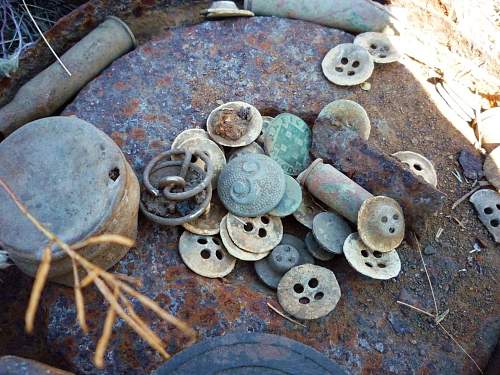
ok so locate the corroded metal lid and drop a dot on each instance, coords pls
(69, 175)
(419, 165)
(331, 230)
(251, 185)
(380, 47)
(347, 65)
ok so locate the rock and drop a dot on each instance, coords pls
(429, 250)
(12, 365)
(379, 347)
(398, 324)
(471, 164)
(364, 343)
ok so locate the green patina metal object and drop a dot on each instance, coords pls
(291, 199)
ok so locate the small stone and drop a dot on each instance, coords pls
(364, 343)
(379, 347)
(471, 164)
(429, 250)
(366, 86)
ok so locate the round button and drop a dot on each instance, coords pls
(380, 46)
(307, 210)
(331, 230)
(346, 114)
(347, 65)
(381, 223)
(187, 134)
(209, 222)
(487, 204)
(234, 250)
(308, 291)
(291, 199)
(316, 250)
(372, 263)
(419, 165)
(205, 255)
(252, 148)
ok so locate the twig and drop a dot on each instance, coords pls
(439, 233)
(460, 346)
(415, 308)
(457, 175)
(80, 306)
(285, 316)
(45, 39)
(427, 273)
(464, 197)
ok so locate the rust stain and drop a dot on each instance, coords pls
(131, 108)
(165, 80)
(121, 85)
(119, 138)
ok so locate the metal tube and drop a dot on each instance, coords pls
(52, 88)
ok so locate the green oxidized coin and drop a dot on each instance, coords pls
(291, 199)
(288, 141)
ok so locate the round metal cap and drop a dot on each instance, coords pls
(316, 250)
(282, 258)
(288, 141)
(331, 230)
(347, 65)
(381, 224)
(69, 174)
(487, 204)
(249, 353)
(307, 210)
(308, 291)
(252, 148)
(209, 222)
(234, 250)
(419, 165)
(205, 255)
(380, 47)
(491, 167)
(187, 134)
(234, 124)
(257, 235)
(346, 114)
(251, 185)
(372, 263)
(291, 199)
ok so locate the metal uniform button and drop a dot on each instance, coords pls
(266, 120)
(372, 263)
(307, 210)
(419, 165)
(282, 258)
(291, 199)
(252, 148)
(205, 255)
(251, 185)
(346, 114)
(491, 167)
(308, 291)
(224, 9)
(347, 65)
(188, 134)
(209, 222)
(381, 223)
(288, 141)
(316, 250)
(234, 124)
(487, 204)
(234, 250)
(290, 239)
(331, 230)
(380, 46)
(257, 235)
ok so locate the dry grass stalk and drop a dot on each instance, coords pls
(105, 282)
(285, 316)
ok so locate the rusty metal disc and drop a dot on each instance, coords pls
(380, 46)
(241, 124)
(291, 200)
(346, 114)
(205, 255)
(331, 230)
(187, 134)
(255, 234)
(249, 353)
(347, 65)
(208, 223)
(307, 210)
(372, 263)
(234, 250)
(308, 291)
(491, 167)
(252, 148)
(381, 224)
(419, 165)
(316, 250)
(487, 204)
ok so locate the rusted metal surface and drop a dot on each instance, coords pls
(377, 172)
(145, 98)
(12, 365)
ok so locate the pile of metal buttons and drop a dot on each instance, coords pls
(255, 189)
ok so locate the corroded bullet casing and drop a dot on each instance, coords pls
(334, 189)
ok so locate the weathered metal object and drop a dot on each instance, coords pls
(487, 204)
(266, 120)
(282, 258)
(251, 185)
(334, 189)
(13, 365)
(288, 141)
(381, 223)
(176, 192)
(72, 177)
(291, 200)
(252, 148)
(224, 9)
(249, 353)
(331, 230)
(49, 90)
(379, 45)
(351, 15)
(205, 255)
(290, 239)
(307, 210)
(347, 65)
(209, 222)
(255, 234)
(234, 250)
(234, 124)
(308, 291)
(419, 165)
(346, 114)
(372, 263)
(377, 173)
(491, 167)
(316, 250)
(188, 134)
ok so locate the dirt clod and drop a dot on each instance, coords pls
(232, 123)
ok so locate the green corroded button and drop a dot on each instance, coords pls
(291, 200)
(288, 141)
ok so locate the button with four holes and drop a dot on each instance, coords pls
(347, 65)
(308, 291)
(380, 46)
